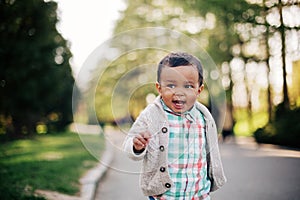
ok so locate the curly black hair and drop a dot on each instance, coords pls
(180, 59)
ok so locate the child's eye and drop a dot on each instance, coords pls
(171, 86)
(188, 86)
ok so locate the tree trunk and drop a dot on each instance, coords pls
(286, 101)
(267, 34)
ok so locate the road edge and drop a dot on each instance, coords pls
(89, 182)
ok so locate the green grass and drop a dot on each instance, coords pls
(50, 162)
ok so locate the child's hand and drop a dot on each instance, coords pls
(141, 141)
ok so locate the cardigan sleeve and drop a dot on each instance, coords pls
(139, 126)
(216, 171)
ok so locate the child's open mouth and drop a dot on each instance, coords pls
(178, 104)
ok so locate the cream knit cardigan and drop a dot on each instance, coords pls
(154, 178)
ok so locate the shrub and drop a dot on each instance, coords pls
(283, 130)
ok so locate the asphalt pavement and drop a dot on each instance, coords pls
(254, 172)
(259, 173)
(122, 178)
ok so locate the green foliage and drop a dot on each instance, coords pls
(246, 124)
(50, 162)
(226, 16)
(283, 130)
(36, 78)
(123, 79)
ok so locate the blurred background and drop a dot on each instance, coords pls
(255, 45)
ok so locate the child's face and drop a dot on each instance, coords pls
(179, 87)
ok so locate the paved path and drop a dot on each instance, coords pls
(253, 173)
(121, 180)
(259, 174)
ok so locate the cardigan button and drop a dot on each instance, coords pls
(162, 169)
(168, 185)
(164, 129)
(161, 148)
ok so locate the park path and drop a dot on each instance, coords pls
(121, 179)
(254, 173)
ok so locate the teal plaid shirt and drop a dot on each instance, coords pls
(187, 156)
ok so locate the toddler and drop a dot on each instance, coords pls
(176, 136)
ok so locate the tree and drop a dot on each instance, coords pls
(36, 79)
(283, 39)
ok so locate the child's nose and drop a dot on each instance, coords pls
(179, 91)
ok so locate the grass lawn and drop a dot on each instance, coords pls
(50, 162)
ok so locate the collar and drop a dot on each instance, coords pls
(189, 114)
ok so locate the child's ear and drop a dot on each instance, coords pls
(158, 87)
(200, 89)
